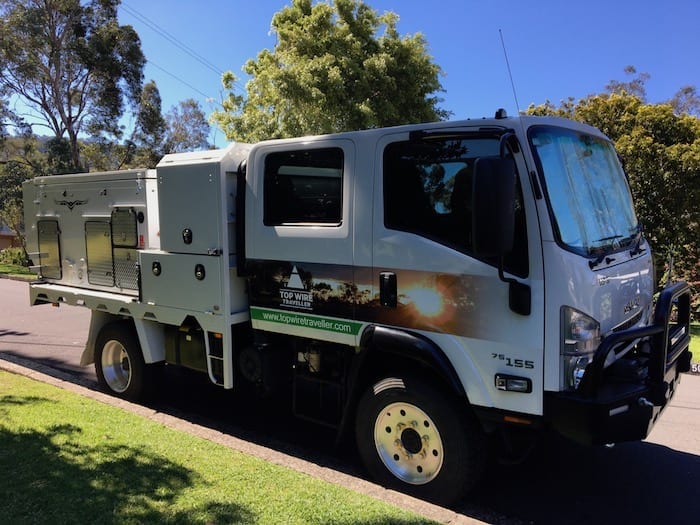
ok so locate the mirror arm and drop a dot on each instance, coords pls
(503, 144)
(519, 294)
(501, 273)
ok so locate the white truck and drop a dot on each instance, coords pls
(424, 287)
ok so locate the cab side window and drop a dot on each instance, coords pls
(303, 187)
(428, 192)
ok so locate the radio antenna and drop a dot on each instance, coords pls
(510, 73)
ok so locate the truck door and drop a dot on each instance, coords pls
(429, 279)
(299, 232)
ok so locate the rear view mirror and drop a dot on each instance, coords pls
(494, 206)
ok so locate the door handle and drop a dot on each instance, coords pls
(387, 289)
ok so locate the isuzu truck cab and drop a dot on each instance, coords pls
(424, 289)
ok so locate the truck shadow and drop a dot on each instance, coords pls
(560, 483)
(640, 483)
(267, 422)
(52, 366)
(5, 331)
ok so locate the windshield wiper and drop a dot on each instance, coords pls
(611, 238)
(595, 262)
(604, 255)
(637, 249)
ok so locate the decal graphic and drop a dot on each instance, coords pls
(319, 300)
(71, 204)
(295, 294)
(307, 287)
(338, 326)
(436, 302)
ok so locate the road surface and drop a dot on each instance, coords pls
(652, 482)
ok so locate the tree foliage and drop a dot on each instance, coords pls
(12, 174)
(150, 131)
(660, 148)
(23, 157)
(335, 67)
(187, 128)
(71, 64)
(686, 101)
(5, 118)
(106, 155)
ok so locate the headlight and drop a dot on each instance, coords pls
(580, 337)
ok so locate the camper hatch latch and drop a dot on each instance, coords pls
(187, 236)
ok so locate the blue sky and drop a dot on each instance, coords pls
(556, 48)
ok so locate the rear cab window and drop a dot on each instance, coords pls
(304, 187)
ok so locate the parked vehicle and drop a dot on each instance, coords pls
(423, 287)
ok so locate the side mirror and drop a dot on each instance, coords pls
(493, 224)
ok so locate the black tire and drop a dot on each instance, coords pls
(119, 362)
(415, 438)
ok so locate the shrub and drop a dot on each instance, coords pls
(13, 256)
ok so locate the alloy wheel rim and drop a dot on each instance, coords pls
(116, 366)
(408, 443)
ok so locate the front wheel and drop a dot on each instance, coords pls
(119, 363)
(414, 437)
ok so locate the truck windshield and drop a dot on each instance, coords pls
(587, 190)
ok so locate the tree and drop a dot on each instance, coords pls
(23, 148)
(331, 70)
(660, 149)
(58, 156)
(12, 216)
(686, 101)
(5, 117)
(71, 64)
(636, 86)
(187, 128)
(105, 155)
(149, 135)
(12, 174)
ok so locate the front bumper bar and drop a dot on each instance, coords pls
(605, 409)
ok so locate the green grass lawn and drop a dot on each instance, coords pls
(695, 342)
(16, 270)
(69, 459)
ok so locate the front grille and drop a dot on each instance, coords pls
(629, 323)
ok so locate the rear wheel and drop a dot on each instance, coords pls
(414, 437)
(119, 361)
